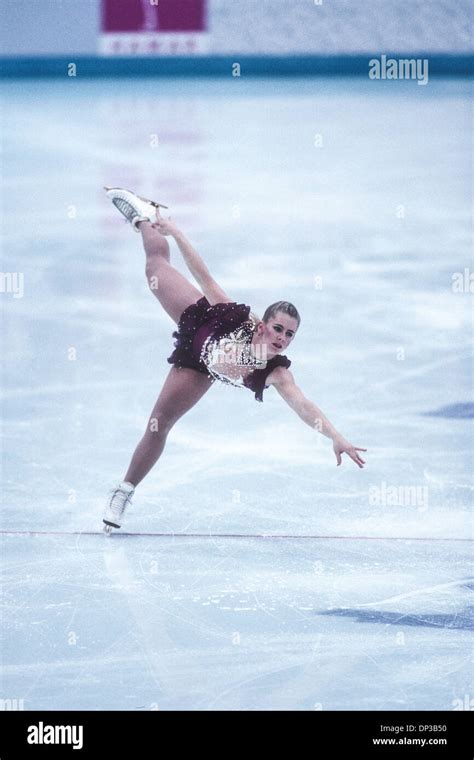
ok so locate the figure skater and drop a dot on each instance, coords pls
(217, 339)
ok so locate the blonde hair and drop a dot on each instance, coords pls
(286, 307)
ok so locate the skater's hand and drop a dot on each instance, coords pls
(341, 446)
(165, 226)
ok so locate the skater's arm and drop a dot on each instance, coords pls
(211, 289)
(284, 382)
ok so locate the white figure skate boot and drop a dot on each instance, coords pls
(120, 497)
(134, 208)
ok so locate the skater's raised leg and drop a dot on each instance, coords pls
(173, 291)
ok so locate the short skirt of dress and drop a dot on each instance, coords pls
(197, 322)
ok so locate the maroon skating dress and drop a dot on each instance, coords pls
(200, 324)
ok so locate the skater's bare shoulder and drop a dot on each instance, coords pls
(281, 378)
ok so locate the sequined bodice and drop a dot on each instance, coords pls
(229, 358)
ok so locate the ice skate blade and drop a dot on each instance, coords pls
(153, 203)
(108, 529)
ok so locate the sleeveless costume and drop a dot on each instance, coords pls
(215, 340)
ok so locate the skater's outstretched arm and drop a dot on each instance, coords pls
(211, 289)
(284, 382)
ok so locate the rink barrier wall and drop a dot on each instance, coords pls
(221, 66)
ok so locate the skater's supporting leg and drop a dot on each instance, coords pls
(182, 389)
(173, 291)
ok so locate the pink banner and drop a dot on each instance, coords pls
(149, 16)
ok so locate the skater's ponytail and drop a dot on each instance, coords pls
(286, 307)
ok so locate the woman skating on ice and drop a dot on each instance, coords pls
(217, 339)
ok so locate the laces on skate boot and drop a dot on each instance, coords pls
(125, 208)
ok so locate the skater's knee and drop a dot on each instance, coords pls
(156, 245)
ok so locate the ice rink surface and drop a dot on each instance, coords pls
(253, 573)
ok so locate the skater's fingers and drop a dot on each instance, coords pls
(355, 458)
(358, 449)
(339, 458)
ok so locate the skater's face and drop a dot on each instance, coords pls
(277, 333)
